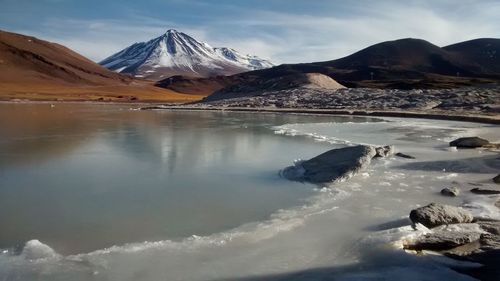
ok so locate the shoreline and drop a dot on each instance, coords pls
(485, 119)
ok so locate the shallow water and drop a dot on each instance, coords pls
(204, 187)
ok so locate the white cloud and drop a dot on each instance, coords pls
(98, 39)
(289, 38)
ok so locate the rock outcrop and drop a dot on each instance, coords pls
(450, 191)
(469, 142)
(484, 191)
(332, 166)
(434, 215)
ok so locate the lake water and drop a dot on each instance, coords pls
(119, 194)
(85, 177)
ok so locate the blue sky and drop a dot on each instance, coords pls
(285, 31)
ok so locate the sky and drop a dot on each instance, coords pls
(284, 31)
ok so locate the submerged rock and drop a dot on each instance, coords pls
(332, 166)
(469, 142)
(450, 191)
(399, 154)
(434, 215)
(484, 191)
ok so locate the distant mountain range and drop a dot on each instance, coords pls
(176, 53)
(404, 63)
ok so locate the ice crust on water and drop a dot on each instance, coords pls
(34, 250)
(483, 206)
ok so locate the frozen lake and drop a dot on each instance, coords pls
(93, 183)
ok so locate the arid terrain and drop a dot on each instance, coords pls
(33, 69)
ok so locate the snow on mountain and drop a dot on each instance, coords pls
(176, 53)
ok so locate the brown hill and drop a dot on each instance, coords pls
(197, 86)
(34, 69)
(261, 86)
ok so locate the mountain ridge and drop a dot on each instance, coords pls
(176, 53)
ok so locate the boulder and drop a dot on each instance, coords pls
(450, 191)
(434, 215)
(484, 191)
(469, 142)
(496, 179)
(331, 166)
(384, 151)
(399, 154)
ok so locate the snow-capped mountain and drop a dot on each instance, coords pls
(176, 53)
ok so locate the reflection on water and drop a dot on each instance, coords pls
(83, 177)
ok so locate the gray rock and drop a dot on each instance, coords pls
(384, 151)
(434, 215)
(450, 191)
(469, 142)
(399, 154)
(490, 226)
(490, 242)
(496, 179)
(484, 191)
(443, 240)
(331, 166)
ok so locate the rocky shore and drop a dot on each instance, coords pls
(482, 101)
(452, 231)
(456, 233)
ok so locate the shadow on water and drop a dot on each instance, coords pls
(325, 273)
(482, 165)
(389, 225)
(491, 260)
(379, 264)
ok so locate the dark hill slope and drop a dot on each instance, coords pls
(483, 53)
